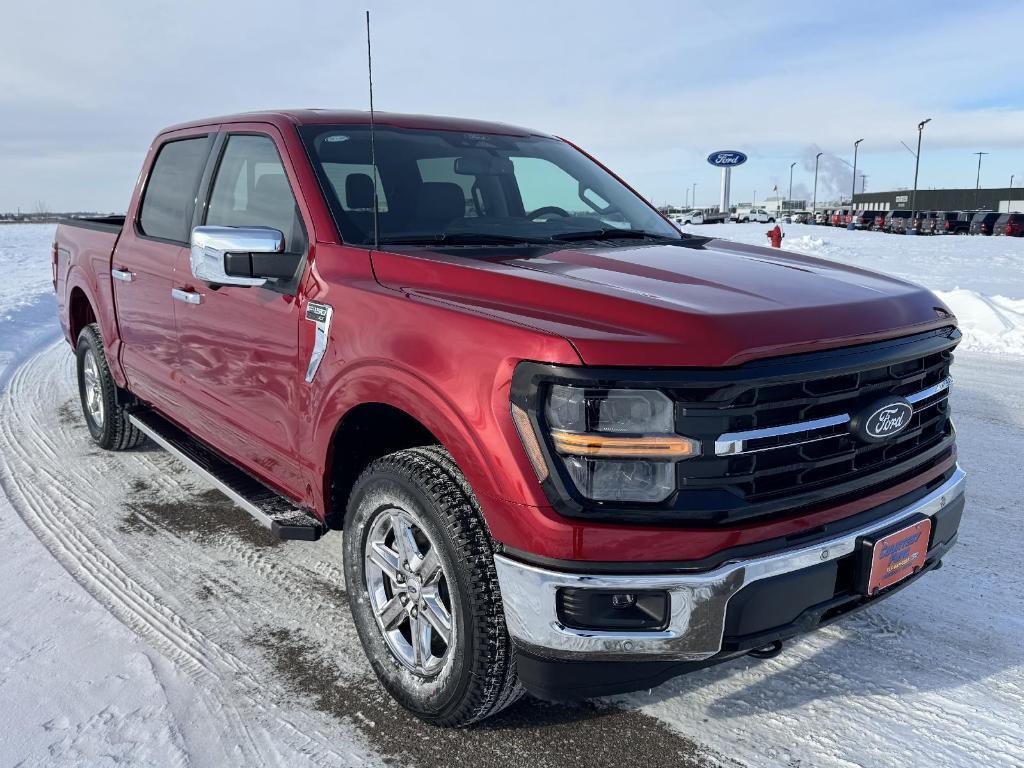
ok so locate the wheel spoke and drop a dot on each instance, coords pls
(392, 613)
(429, 567)
(438, 616)
(405, 543)
(420, 639)
(386, 559)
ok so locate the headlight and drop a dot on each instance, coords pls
(617, 444)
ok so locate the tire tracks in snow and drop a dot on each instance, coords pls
(55, 497)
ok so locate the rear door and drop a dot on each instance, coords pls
(240, 367)
(150, 250)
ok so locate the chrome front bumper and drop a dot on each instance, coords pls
(698, 602)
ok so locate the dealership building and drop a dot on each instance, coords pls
(1001, 199)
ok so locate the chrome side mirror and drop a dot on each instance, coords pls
(223, 255)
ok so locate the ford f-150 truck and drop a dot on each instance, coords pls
(570, 449)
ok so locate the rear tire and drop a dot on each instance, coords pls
(443, 575)
(103, 404)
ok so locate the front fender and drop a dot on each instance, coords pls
(468, 435)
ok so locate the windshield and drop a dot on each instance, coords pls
(464, 188)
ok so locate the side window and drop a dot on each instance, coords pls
(170, 196)
(252, 190)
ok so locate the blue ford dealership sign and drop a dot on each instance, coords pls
(727, 158)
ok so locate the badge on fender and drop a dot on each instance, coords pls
(320, 316)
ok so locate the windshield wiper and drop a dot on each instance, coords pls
(611, 233)
(462, 238)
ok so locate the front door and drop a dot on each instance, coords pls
(240, 371)
(152, 247)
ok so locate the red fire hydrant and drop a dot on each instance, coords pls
(775, 235)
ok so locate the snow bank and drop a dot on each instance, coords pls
(990, 323)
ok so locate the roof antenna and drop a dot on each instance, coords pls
(373, 148)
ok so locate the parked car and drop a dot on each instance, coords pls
(559, 449)
(896, 222)
(983, 222)
(821, 217)
(745, 215)
(943, 223)
(878, 225)
(962, 226)
(689, 217)
(1010, 224)
(863, 219)
(802, 217)
(919, 219)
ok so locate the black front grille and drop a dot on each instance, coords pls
(775, 478)
(778, 474)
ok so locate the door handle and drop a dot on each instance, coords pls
(123, 275)
(189, 297)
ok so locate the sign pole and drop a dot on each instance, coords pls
(726, 160)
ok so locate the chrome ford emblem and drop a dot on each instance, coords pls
(882, 420)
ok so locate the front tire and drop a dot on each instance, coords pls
(102, 403)
(424, 592)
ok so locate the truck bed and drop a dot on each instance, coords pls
(112, 224)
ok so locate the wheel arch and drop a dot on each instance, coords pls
(380, 409)
(81, 312)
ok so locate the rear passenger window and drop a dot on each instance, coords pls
(252, 190)
(170, 196)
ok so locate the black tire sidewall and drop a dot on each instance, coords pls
(433, 698)
(88, 343)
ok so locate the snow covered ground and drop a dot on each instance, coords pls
(146, 621)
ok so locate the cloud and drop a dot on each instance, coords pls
(650, 88)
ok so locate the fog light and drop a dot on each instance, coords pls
(612, 611)
(623, 601)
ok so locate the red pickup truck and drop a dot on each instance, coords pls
(572, 450)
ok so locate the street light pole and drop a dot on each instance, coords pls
(814, 203)
(790, 198)
(977, 183)
(917, 165)
(853, 192)
(693, 197)
(1009, 196)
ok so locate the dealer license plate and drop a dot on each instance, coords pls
(898, 555)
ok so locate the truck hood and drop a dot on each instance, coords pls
(711, 303)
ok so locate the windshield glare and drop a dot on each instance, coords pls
(437, 185)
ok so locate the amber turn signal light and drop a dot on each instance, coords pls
(652, 447)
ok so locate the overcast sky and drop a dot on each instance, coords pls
(650, 88)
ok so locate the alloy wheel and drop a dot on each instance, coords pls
(93, 389)
(408, 589)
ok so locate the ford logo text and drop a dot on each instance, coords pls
(882, 419)
(727, 158)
